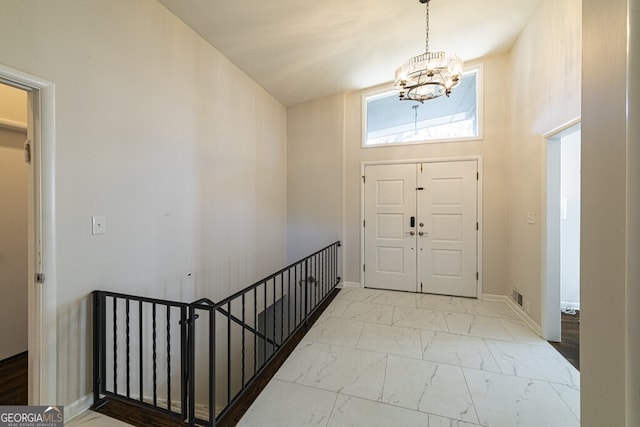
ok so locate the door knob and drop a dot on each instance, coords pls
(411, 233)
(422, 233)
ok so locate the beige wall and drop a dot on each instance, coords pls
(157, 131)
(632, 296)
(13, 241)
(610, 339)
(314, 181)
(545, 94)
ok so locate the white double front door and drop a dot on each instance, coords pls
(421, 227)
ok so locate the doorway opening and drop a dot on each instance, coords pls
(39, 156)
(562, 248)
(13, 247)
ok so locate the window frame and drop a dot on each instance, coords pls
(478, 69)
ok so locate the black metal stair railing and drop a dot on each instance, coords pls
(194, 361)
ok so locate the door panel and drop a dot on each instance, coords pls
(447, 247)
(390, 250)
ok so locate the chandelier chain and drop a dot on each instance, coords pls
(426, 37)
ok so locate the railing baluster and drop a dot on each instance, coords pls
(229, 353)
(295, 294)
(255, 326)
(306, 292)
(192, 365)
(155, 363)
(212, 367)
(281, 308)
(184, 361)
(324, 274)
(264, 349)
(273, 337)
(141, 361)
(289, 303)
(169, 358)
(115, 346)
(128, 350)
(98, 332)
(243, 338)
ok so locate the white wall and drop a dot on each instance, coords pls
(570, 221)
(13, 241)
(545, 86)
(314, 181)
(632, 339)
(610, 296)
(157, 131)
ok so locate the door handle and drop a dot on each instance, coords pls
(411, 233)
(412, 222)
(423, 233)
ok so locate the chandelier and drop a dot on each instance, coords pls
(429, 75)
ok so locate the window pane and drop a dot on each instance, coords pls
(391, 121)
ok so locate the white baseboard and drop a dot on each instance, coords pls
(564, 305)
(351, 285)
(78, 407)
(515, 307)
(493, 297)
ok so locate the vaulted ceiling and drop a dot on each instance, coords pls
(299, 50)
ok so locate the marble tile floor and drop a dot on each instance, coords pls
(381, 358)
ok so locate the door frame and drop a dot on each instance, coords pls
(42, 303)
(550, 232)
(477, 158)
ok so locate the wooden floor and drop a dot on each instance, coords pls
(570, 345)
(13, 380)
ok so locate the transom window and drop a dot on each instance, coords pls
(389, 121)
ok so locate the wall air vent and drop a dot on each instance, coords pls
(516, 296)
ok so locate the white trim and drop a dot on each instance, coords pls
(78, 407)
(42, 243)
(517, 309)
(12, 125)
(565, 305)
(550, 286)
(558, 131)
(351, 285)
(479, 218)
(494, 297)
(477, 158)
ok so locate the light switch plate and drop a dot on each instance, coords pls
(99, 225)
